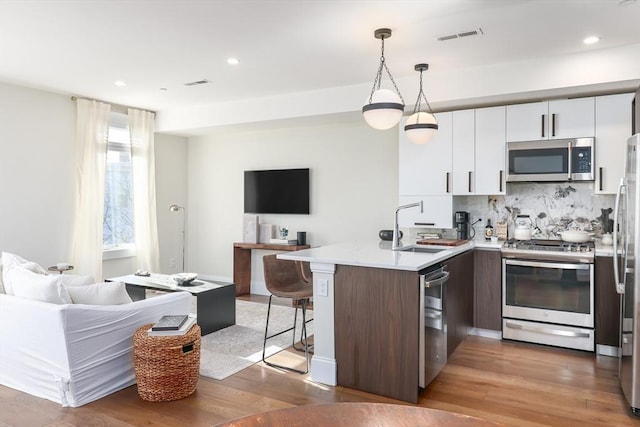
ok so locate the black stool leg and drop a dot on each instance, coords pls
(304, 332)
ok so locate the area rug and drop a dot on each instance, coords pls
(237, 347)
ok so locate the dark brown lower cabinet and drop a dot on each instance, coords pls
(377, 325)
(488, 290)
(376, 330)
(459, 299)
(607, 302)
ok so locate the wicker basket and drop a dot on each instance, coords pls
(166, 367)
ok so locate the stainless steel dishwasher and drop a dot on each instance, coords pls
(433, 324)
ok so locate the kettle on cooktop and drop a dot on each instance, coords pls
(524, 227)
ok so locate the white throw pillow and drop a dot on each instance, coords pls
(77, 280)
(11, 261)
(107, 293)
(40, 287)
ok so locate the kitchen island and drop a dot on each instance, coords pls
(366, 312)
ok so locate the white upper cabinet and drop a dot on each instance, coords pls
(490, 150)
(463, 142)
(613, 128)
(425, 169)
(566, 118)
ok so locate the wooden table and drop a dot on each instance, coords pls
(358, 414)
(242, 262)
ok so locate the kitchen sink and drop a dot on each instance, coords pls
(422, 249)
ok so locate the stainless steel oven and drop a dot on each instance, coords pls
(548, 294)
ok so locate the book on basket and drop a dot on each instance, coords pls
(170, 323)
(189, 322)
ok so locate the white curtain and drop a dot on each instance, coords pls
(92, 130)
(141, 127)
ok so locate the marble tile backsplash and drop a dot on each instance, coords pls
(551, 207)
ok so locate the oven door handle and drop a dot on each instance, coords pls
(547, 264)
(547, 331)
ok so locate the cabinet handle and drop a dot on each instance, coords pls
(447, 184)
(542, 121)
(469, 181)
(500, 180)
(553, 124)
(428, 224)
(600, 177)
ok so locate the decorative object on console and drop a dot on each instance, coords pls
(266, 233)
(384, 107)
(283, 232)
(302, 237)
(421, 126)
(176, 208)
(284, 241)
(250, 228)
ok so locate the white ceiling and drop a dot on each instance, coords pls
(284, 46)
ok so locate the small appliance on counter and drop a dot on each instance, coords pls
(461, 220)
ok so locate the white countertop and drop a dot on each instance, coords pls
(376, 254)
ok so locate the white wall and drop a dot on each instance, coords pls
(171, 188)
(37, 135)
(37, 138)
(354, 188)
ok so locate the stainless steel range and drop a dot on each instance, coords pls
(547, 293)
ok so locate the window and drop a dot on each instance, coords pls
(117, 225)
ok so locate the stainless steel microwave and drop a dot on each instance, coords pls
(551, 160)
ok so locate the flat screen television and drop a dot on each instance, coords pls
(281, 191)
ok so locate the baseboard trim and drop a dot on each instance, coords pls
(606, 350)
(486, 333)
(324, 370)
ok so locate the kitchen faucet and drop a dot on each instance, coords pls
(396, 232)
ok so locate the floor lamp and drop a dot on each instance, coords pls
(176, 208)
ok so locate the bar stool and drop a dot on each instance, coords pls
(283, 279)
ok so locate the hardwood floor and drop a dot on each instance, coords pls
(511, 383)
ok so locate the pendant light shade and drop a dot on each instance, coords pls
(384, 111)
(384, 108)
(422, 126)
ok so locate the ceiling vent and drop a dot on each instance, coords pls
(460, 35)
(198, 82)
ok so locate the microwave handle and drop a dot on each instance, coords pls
(569, 158)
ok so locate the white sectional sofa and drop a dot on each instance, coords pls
(74, 354)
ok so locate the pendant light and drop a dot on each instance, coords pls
(422, 126)
(384, 107)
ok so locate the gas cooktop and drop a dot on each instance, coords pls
(549, 249)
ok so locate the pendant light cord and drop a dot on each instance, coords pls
(378, 80)
(421, 95)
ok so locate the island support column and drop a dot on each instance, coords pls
(323, 363)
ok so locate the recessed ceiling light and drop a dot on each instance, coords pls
(591, 40)
(233, 61)
(120, 83)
